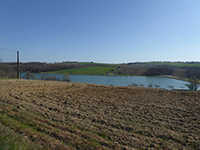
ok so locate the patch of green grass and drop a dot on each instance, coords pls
(18, 127)
(103, 135)
(92, 70)
(11, 140)
(1, 78)
(11, 122)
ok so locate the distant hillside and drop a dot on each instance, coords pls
(168, 63)
(179, 69)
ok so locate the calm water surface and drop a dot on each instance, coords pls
(144, 81)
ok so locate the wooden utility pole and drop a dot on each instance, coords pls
(18, 76)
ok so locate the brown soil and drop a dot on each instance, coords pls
(61, 115)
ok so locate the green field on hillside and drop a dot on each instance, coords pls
(92, 70)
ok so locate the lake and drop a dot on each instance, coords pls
(142, 81)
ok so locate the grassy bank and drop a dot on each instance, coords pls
(92, 70)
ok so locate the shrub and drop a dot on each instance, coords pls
(51, 78)
(7, 71)
(66, 77)
(133, 85)
(193, 84)
(150, 85)
(170, 86)
(28, 75)
(156, 86)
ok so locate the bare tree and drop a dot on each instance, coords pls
(28, 75)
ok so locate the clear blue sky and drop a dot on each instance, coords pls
(107, 31)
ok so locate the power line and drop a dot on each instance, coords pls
(9, 50)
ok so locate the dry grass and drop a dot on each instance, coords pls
(59, 115)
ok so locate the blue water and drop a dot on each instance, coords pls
(144, 81)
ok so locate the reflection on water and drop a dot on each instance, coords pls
(142, 81)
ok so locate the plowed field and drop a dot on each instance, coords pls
(65, 115)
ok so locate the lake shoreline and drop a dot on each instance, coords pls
(175, 77)
(141, 81)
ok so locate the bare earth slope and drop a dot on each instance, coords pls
(61, 115)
